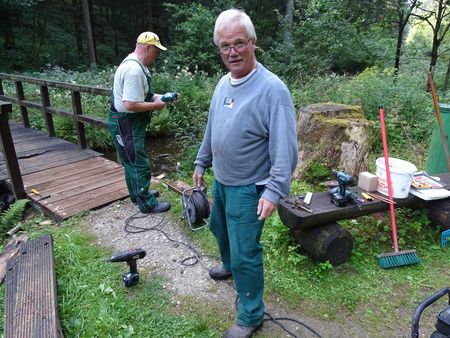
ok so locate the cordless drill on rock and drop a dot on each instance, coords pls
(339, 195)
(130, 257)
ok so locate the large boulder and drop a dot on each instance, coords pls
(332, 136)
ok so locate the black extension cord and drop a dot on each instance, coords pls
(195, 207)
(194, 259)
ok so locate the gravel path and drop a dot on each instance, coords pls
(165, 257)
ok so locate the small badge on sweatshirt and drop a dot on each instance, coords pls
(228, 102)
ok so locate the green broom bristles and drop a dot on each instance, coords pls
(395, 259)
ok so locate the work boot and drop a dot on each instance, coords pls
(219, 273)
(239, 331)
(160, 207)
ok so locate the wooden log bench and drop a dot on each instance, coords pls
(30, 304)
(323, 239)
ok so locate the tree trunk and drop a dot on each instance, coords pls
(148, 16)
(434, 52)
(289, 17)
(8, 33)
(115, 16)
(90, 37)
(398, 50)
(77, 26)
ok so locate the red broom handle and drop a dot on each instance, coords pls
(388, 176)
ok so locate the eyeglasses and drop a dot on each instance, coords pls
(238, 47)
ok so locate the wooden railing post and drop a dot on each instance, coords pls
(79, 126)
(45, 98)
(23, 109)
(9, 152)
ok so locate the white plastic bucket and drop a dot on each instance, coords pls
(400, 176)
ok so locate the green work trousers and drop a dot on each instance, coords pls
(128, 133)
(235, 225)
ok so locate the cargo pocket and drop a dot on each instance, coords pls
(127, 146)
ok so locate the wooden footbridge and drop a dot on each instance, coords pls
(59, 177)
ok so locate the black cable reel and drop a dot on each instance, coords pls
(195, 207)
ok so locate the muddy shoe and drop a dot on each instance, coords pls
(239, 331)
(219, 273)
(160, 207)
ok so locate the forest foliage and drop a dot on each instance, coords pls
(297, 38)
(341, 51)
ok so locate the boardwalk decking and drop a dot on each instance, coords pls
(69, 180)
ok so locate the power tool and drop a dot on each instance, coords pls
(130, 256)
(443, 318)
(170, 96)
(339, 195)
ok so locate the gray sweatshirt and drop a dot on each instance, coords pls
(250, 136)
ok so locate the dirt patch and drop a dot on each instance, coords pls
(165, 257)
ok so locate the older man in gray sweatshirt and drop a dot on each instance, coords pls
(250, 141)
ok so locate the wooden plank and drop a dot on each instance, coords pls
(49, 180)
(69, 180)
(87, 196)
(11, 167)
(44, 148)
(11, 249)
(50, 160)
(113, 193)
(37, 147)
(324, 212)
(30, 292)
(67, 169)
(79, 187)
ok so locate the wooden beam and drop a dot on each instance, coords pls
(9, 152)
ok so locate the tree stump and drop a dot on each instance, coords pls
(328, 242)
(335, 136)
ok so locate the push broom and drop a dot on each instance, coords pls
(396, 258)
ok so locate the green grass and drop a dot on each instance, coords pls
(348, 291)
(92, 301)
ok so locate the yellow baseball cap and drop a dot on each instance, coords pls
(150, 38)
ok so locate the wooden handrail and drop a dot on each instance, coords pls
(57, 84)
(76, 115)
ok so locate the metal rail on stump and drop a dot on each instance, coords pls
(9, 152)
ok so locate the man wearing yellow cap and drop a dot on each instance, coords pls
(132, 103)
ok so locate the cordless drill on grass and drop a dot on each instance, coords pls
(130, 257)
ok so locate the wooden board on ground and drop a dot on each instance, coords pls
(11, 249)
(31, 306)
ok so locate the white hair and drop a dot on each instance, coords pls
(234, 16)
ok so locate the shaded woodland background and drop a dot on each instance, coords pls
(296, 38)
